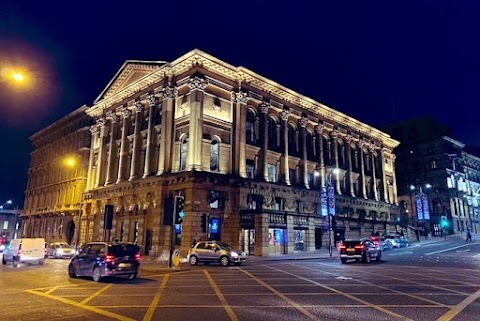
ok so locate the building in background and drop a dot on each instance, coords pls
(251, 160)
(56, 178)
(438, 179)
(9, 224)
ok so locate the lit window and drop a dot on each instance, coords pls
(272, 173)
(183, 153)
(5, 225)
(214, 155)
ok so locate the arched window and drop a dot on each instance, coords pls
(310, 147)
(250, 128)
(292, 144)
(272, 133)
(214, 155)
(183, 153)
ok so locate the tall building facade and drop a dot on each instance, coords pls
(252, 156)
(57, 178)
(437, 178)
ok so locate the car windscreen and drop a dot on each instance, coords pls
(62, 246)
(119, 250)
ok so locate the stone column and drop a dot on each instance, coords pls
(395, 196)
(152, 115)
(124, 147)
(137, 141)
(321, 163)
(334, 137)
(165, 154)
(94, 131)
(374, 174)
(264, 110)
(303, 124)
(195, 134)
(284, 159)
(112, 155)
(362, 169)
(351, 183)
(384, 177)
(238, 156)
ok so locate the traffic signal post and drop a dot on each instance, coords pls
(178, 214)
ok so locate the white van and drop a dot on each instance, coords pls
(25, 251)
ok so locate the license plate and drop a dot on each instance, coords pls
(350, 250)
(124, 265)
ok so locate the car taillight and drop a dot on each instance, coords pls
(137, 257)
(342, 247)
(359, 247)
(109, 258)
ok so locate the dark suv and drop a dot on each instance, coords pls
(363, 249)
(101, 259)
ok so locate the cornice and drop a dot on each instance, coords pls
(197, 58)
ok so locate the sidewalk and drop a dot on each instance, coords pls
(161, 265)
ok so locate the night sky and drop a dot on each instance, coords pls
(376, 61)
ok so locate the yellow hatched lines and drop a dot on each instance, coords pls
(376, 307)
(459, 307)
(151, 309)
(220, 296)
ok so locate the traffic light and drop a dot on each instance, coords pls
(204, 222)
(179, 209)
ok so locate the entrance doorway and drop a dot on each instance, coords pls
(249, 241)
(318, 238)
(277, 241)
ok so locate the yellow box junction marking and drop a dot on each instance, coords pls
(153, 305)
(459, 307)
(220, 296)
(94, 295)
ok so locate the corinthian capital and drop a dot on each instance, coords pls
(239, 97)
(264, 106)
(101, 122)
(303, 122)
(319, 128)
(94, 129)
(152, 100)
(124, 111)
(170, 92)
(197, 82)
(138, 106)
(284, 114)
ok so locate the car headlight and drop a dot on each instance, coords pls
(234, 254)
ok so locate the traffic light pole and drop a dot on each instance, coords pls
(172, 234)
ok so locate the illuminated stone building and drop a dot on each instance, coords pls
(240, 148)
(237, 146)
(56, 178)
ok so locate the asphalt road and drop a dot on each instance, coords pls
(439, 281)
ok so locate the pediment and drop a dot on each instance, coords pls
(130, 72)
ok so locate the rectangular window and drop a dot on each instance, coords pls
(5, 225)
(272, 173)
(311, 179)
(250, 169)
(433, 164)
(291, 173)
(135, 232)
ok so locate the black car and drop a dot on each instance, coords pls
(102, 259)
(364, 250)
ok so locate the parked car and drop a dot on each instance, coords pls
(215, 251)
(364, 250)
(106, 259)
(25, 250)
(60, 250)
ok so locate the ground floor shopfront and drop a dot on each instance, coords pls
(261, 218)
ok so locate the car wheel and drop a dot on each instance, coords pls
(343, 261)
(132, 276)
(224, 260)
(193, 260)
(366, 258)
(15, 261)
(71, 271)
(3, 261)
(97, 276)
(40, 262)
(379, 257)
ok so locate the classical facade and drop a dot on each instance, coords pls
(433, 166)
(252, 155)
(56, 178)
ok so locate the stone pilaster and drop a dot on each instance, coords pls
(152, 114)
(384, 177)
(95, 132)
(303, 124)
(137, 142)
(238, 156)
(194, 153)
(284, 160)
(334, 138)
(264, 119)
(112, 155)
(166, 138)
(124, 146)
(321, 163)
(395, 195)
(362, 169)
(374, 174)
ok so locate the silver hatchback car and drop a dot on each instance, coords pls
(215, 251)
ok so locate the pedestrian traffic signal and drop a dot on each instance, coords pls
(204, 222)
(444, 222)
(179, 209)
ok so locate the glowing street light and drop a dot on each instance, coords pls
(18, 77)
(70, 162)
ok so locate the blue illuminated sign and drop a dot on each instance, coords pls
(214, 223)
(178, 228)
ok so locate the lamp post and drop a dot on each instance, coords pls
(72, 162)
(422, 207)
(327, 199)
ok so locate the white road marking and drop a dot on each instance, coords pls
(446, 250)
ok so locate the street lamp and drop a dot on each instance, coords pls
(327, 199)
